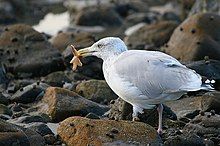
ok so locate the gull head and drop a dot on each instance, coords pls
(104, 48)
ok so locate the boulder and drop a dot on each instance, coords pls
(29, 93)
(40, 128)
(188, 139)
(92, 66)
(98, 16)
(60, 103)
(3, 100)
(96, 90)
(79, 131)
(56, 79)
(208, 68)
(5, 110)
(121, 110)
(26, 52)
(196, 38)
(154, 34)
(78, 39)
(204, 124)
(11, 134)
(191, 106)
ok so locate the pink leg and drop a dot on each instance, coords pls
(160, 111)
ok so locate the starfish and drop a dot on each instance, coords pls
(75, 61)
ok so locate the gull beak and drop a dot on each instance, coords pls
(86, 52)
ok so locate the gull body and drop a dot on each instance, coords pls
(144, 79)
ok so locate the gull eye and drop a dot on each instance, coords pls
(100, 45)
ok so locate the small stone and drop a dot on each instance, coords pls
(49, 139)
(110, 135)
(212, 112)
(114, 130)
(202, 113)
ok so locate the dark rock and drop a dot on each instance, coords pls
(96, 90)
(100, 16)
(78, 39)
(211, 6)
(211, 101)
(186, 107)
(11, 134)
(4, 117)
(60, 103)
(49, 139)
(92, 116)
(5, 110)
(40, 128)
(31, 54)
(155, 34)
(185, 140)
(29, 93)
(92, 66)
(99, 132)
(56, 79)
(121, 110)
(209, 69)
(196, 38)
(207, 126)
(136, 18)
(3, 77)
(16, 107)
(6, 13)
(3, 100)
(29, 119)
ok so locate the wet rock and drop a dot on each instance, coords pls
(196, 38)
(29, 93)
(191, 106)
(11, 134)
(136, 18)
(185, 140)
(96, 90)
(209, 69)
(92, 66)
(78, 39)
(5, 110)
(82, 131)
(40, 128)
(206, 125)
(155, 34)
(211, 6)
(6, 12)
(186, 107)
(49, 139)
(3, 77)
(121, 110)
(56, 79)
(92, 116)
(29, 119)
(98, 16)
(25, 52)
(3, 100)
(211, 101)
(60, 103)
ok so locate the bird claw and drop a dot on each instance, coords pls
(160, 131)
(135, 118)
(75, 61)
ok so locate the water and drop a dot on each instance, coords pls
(52, 23)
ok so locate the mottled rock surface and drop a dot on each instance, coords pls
(201, 34)
(155, 35)
(11, 134)
(96, 90)
(82, 131)
(60, 103)
(24, 50)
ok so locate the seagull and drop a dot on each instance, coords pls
(144, 79)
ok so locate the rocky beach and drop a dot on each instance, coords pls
(43, 102)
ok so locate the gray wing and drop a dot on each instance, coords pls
(155, 73)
